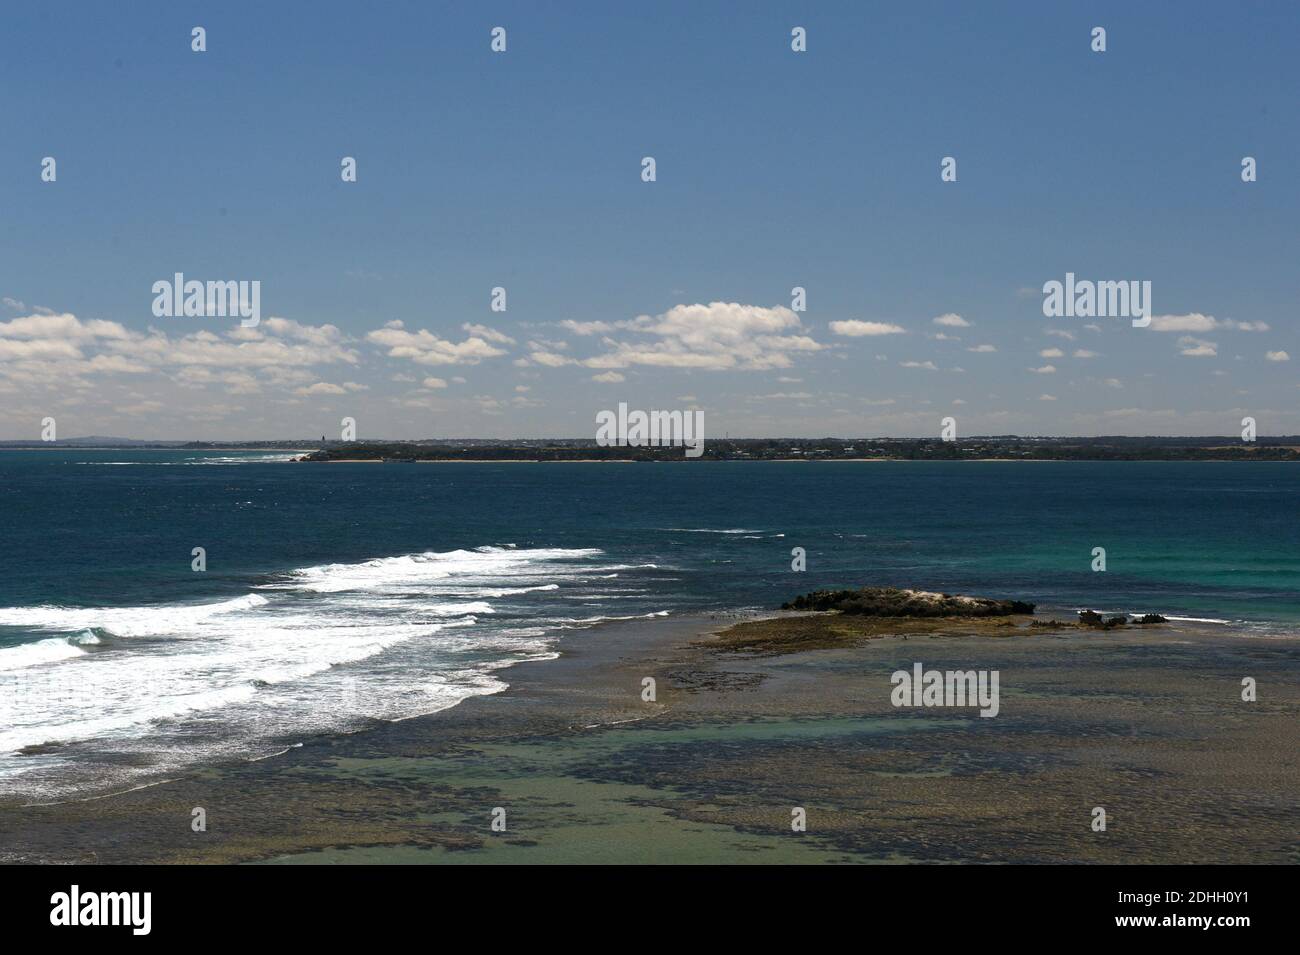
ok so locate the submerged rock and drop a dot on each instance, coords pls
(897, 602)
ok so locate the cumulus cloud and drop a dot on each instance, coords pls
(587, 328)
(46, 349)
(1197, 322)
(858, 329)
(288, 328)
(488, 334)
(982, 348)
(927, 365)
(1277, 356)
(551, 359)
(716, 336)
(425, 348)
(951, 320)
(65, 327)
(1196, 347)
(321, 388)
(1051, 353)
(608, 378)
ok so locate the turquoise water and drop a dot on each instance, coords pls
(340, 593)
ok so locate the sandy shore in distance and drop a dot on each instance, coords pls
(771, 715)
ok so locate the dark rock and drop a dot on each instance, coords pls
(1090, 618)
(1152, 618)
(896, 602)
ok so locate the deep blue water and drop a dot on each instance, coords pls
(340, 592)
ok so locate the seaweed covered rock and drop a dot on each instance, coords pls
(897, 602)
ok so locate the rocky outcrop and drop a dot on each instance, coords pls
(896, 602)
(1090, 618)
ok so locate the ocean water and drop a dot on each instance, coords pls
(340, 594)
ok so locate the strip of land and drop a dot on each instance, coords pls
(1009, 448)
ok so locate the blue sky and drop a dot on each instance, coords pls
(522, 169)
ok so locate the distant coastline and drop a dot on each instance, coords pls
(1283, 448)
(823, 449)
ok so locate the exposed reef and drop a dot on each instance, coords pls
(897, 602)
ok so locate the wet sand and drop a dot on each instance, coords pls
(772, 715)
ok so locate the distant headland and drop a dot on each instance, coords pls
(976, 448)
(999, 448)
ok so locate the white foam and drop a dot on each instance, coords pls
(387, 573)
(711, 530)
(35, 654)
(124, 621)
(322, 648)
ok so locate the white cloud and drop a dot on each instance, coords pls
(951, 320)
(857, 329)
(551, 360)
(1197, 348)
(425, 348)
(927, 365)
(1277, 356)
(608, 377)
(1084, 353)
(64, 326)
(288, 328)
(47, 349)
(587, 328)
(1192, 322)
(434, 383)
(488, 334)
(982, 349)
(320, 388)
(1044, 370)
(716, 336)
(1197, 322)
(1051, 353)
